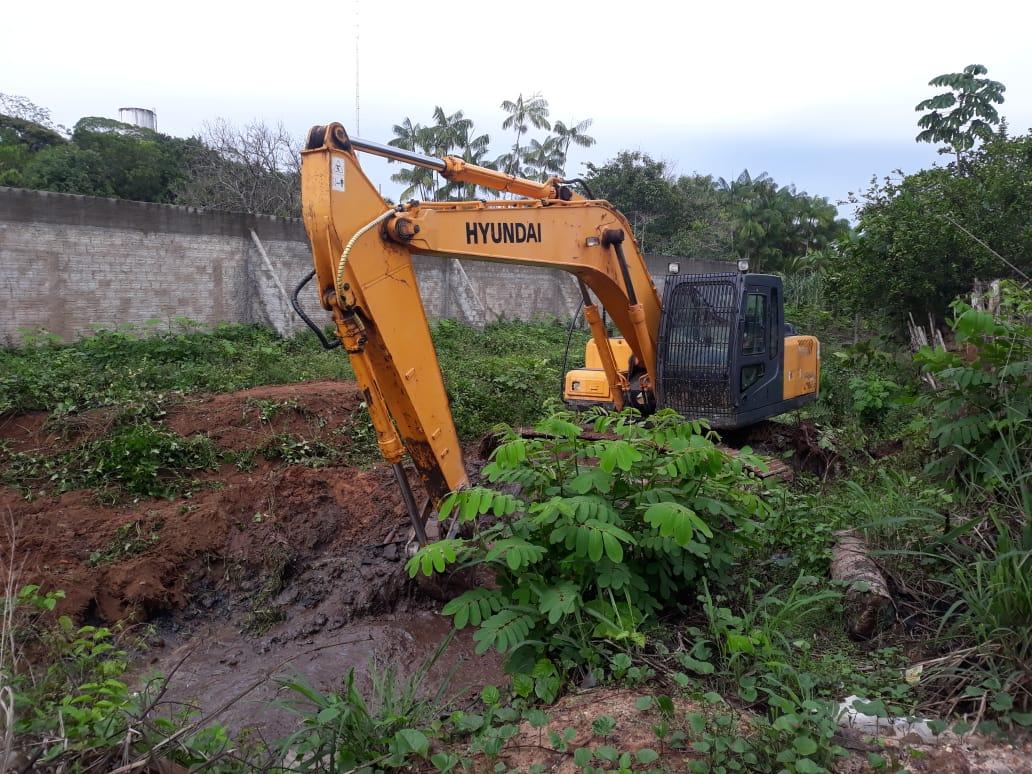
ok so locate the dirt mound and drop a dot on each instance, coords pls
(249, 418)
(239, 540)
(37, 432)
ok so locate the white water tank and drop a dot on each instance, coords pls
(143, 117)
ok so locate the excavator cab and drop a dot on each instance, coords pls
(724, 354)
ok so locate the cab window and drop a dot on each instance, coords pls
(754, 342)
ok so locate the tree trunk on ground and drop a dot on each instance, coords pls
(867, 600)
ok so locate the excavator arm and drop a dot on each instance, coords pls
(362, 249)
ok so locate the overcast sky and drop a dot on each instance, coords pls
(819, 94)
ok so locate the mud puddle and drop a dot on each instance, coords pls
(216, 665)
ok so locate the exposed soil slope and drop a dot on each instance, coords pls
(245, 529)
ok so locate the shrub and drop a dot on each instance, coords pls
(981, 418)
(607, 534)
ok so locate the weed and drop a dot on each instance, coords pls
(343, 731)
(130, 539)
(295, 450)
(264, 614)
(142, 459)
(267, 408)
(983, 411)
(358, 438)
(75, 711)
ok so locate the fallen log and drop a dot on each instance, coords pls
(867, 598)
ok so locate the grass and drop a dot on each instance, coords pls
(771, 638)
(134, 366)
(503, 373)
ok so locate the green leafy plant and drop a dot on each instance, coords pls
(606, 534)
(748, 643)
(973, 115)
(129, 540)
(294, 450)
(141, 459)
(74, 709)
(982, 413)
(872, 395)
(343, 731)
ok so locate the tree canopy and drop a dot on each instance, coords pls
(749, 217)
(923, 238)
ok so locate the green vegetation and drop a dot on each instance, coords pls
(124, 381)
(592, 552)
(504, 373)
(774, 227)
(139, 459)
(644, 558)
(102, 158)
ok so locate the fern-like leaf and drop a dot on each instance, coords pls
(434, 557)
(678, 522)
(559, 601)
(516, 552)
(592, 539)
(504, 630)
(474, 606)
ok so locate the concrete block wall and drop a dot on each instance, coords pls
(70, 263)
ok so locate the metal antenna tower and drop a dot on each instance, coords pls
(358, 128)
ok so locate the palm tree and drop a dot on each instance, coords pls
(413, 137)
(574, 133)
(740, 195)
(523, 113)
(544, 158)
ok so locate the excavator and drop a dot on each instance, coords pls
(714, 347)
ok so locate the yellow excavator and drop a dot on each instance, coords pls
(715, 347)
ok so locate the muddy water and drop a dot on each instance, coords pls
(215, 664)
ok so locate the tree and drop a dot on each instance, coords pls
(973, 115)
(523, 113)
(571, 134)
(474, 148)
(138, 163)
(925, 237)
(704, 225)
(448, 135)
(17, 106)
(414, 137)
(20, 140)
(643, 189)
(255, 168)
(774, 225)
(68, 169)
(543, 159)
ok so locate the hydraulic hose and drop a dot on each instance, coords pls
(582, 183)
(294, 302)
(351, 243)
(566, 352)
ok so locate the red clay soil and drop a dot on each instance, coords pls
(312, 410)
(239, 527)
